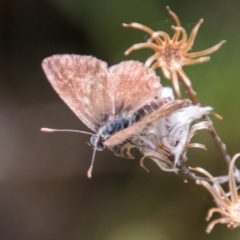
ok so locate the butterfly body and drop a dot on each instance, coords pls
(122, 121)
(113, 125)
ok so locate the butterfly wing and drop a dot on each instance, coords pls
(95, 93)
(82, 83)
(163, 112)
(132, 85)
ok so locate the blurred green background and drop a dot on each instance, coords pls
(44, 190)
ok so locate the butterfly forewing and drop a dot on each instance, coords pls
(82, 82)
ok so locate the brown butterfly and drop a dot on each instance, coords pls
(115, 102)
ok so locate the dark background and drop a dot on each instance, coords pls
(44, 190)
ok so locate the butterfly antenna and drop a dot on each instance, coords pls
(89, 172)
(50, 130)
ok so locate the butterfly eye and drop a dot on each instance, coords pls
(97, 142)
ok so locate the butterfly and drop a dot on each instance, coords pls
(115, 102)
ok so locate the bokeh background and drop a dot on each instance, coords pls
(44, 190)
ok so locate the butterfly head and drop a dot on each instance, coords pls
(97, 142)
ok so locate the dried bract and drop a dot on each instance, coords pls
(228, 204)
(171, 54)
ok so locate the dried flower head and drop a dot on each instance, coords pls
(228, 204)
(171, 54)
(166, 141)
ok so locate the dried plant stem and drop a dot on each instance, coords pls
(221, 146)
(188, 174)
